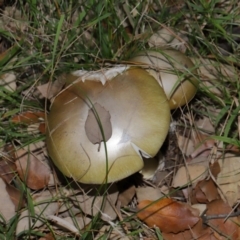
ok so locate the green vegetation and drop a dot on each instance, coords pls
(40, 40)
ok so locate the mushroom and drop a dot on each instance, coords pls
(101, 124)
(174, 72)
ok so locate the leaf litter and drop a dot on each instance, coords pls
(199, 188)
(197, 181)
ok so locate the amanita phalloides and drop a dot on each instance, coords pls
(174, 72)
(103, 121)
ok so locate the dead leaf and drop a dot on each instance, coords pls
(31, 170)
(126, 195)
(7, 208)
(148, 193)
(7, 169)
(205, 125)
(42, 128)
(189, 175)
(51, 89)
(48, 236)
(215, 169)
(229, 177)
(8, 81)
(230, 166)
(186, 144)
(168, 215)
(160, 177)
(44, 206)
(98, 117)
(209, 188)
(212, 70)
(16, 196)
(229, 227)
(203, 145)
(80, 222)
(92, 204)
(29, 117)
(116, 233)
(198, 231)
(200, 207)
(197, 144)
(206, 191)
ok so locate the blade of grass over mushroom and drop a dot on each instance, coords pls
(104, 140)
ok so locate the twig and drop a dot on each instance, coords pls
(219, 216)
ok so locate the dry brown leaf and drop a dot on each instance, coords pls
(8, 81)
(7, 208)
(230, 192)
(114, 234)
(168, 215)
(200, 207)
(7, 169)
(48, 236)
(29, 117)
(198, 231)
(31, 170)
(203, 143)
(16, 196)
(93, 126)
(189, 175)
(42, 128)
(126, 195)
(230, 166)
(159, 177)
(51, 89)
(44, 203)
(215, 169)
(93, 204)
(148, 193)
(198, 144)
(212, 70)
(27, 221)
(209, 188)
(63, 224)
(186, 144)
(44, 206)
(227, 227)
(229, 177)
(206, 191)
(198, 196)
(79, 222)
(204, 124)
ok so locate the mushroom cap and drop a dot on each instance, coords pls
(173, 70)
(139, 121)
